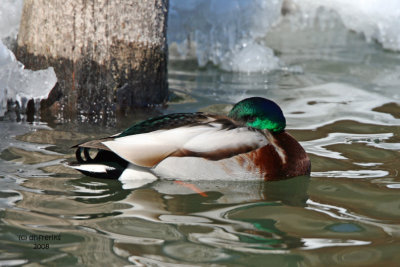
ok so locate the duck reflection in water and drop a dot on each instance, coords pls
(224, 212)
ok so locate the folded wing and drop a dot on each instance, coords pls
(213, 141)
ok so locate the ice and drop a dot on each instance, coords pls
(224, 32)
(16, 82)
(229, 33)
(375, 19)
(10, 15)
(251, 57)
(20, 84)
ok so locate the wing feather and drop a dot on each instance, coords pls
(96, 144)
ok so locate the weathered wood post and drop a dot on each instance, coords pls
(108, 55)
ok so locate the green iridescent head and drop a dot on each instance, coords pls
(260, 113)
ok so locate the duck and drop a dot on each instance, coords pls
(250, 143)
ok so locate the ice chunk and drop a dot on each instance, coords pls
(18, 83)
(224, 32)
(378, 20)
(6, 56)
(252, 58)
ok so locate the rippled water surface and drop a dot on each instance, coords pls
(341, 103)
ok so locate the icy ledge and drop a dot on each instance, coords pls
(375, 19)
(20, 84)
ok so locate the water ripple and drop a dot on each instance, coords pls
(353, 174)
(318, 146)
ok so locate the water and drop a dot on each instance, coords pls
(340, 96)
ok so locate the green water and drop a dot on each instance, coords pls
(341, 103)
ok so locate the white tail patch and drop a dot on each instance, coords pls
(135, 177)
(133, 172)
(94, 168)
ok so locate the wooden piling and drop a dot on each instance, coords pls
(109, 56)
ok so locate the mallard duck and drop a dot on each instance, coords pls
(249, 143)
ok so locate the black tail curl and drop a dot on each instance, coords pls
(102, 157)
(87, 158)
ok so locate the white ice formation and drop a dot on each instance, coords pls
(229, 33)
(20, 84)
(375, 19)
(223, 32)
